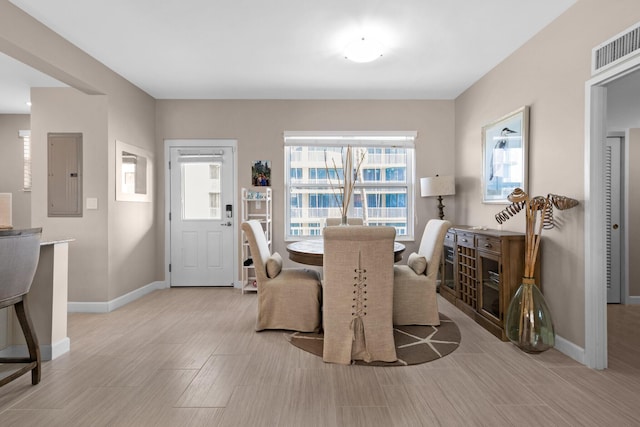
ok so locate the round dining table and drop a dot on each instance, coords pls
(311, 252)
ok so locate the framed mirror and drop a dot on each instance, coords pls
(134, 173)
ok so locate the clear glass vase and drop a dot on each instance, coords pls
(528, 323)
(343, 220)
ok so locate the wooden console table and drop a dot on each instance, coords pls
(481, 271)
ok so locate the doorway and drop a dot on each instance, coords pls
(595, 352)
(201, 221)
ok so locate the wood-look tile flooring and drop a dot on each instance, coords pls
(190, 357)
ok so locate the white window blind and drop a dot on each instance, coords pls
(25, 135)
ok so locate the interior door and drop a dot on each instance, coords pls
(612, 183)
(201, 216)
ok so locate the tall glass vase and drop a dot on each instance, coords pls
(344, 220)
(528, 323)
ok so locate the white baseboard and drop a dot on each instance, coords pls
(59, 348)
(570, 349)
(47, 352)
(108, 306)
(633, 300)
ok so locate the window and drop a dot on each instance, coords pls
(26, 163)
(384, 191)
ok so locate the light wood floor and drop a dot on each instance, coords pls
(190, 357)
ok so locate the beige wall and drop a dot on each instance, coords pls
(11, 170)
(258, 127)
(115, 248)
(68, 110)
(132, 228)
(548, 74)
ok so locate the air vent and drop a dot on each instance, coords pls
(615, 50)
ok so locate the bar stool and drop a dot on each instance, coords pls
(19, 254)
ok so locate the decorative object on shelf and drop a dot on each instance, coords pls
(528, 322)
(504, 156)
(438, 186)
(342, 192)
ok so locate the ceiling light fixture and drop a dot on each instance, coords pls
(363, 50)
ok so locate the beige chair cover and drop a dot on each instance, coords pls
(292, 299)
(357, 294)
(19, 255)
(414, 295)
(350, 221)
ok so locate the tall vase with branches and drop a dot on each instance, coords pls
(528, 323)
(343, 192)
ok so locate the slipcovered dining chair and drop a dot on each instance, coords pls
(288, 298)
(19, 255)
(351, 221)
(414, 290)
(357, 294)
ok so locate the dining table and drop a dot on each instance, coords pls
(311, 251)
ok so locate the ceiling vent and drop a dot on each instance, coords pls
(615, 50)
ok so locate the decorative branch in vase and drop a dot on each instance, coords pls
(528, 322)
(342, 192)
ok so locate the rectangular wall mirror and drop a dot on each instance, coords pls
(134, 173)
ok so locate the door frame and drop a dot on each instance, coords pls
(595, 298)
(178, 143)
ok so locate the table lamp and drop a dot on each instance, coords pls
(438, 186)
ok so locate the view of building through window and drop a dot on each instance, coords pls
(382, 195)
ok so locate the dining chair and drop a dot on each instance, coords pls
(414, 285)
(336, 221)
(288, 298)
(357, 294)
(19, 255)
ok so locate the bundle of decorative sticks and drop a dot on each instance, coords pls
(521, 200)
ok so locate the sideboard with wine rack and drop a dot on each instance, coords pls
(481, 271)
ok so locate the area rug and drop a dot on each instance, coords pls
(414, 344)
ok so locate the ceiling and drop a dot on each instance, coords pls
(287, 49)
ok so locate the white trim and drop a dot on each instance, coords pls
(570, 349)
(633, 300)
(168, 144)
(47, 352)
(114, 304)
(400, 139)
(59, 348)
(595, 319)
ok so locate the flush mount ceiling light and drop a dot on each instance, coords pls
(363, 50)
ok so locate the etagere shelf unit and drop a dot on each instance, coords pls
(257, 205)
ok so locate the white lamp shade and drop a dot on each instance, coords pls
(437, 186)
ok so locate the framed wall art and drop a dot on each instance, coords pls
(261, 173)
(504, 156)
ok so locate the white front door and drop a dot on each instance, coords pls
(202, 214)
